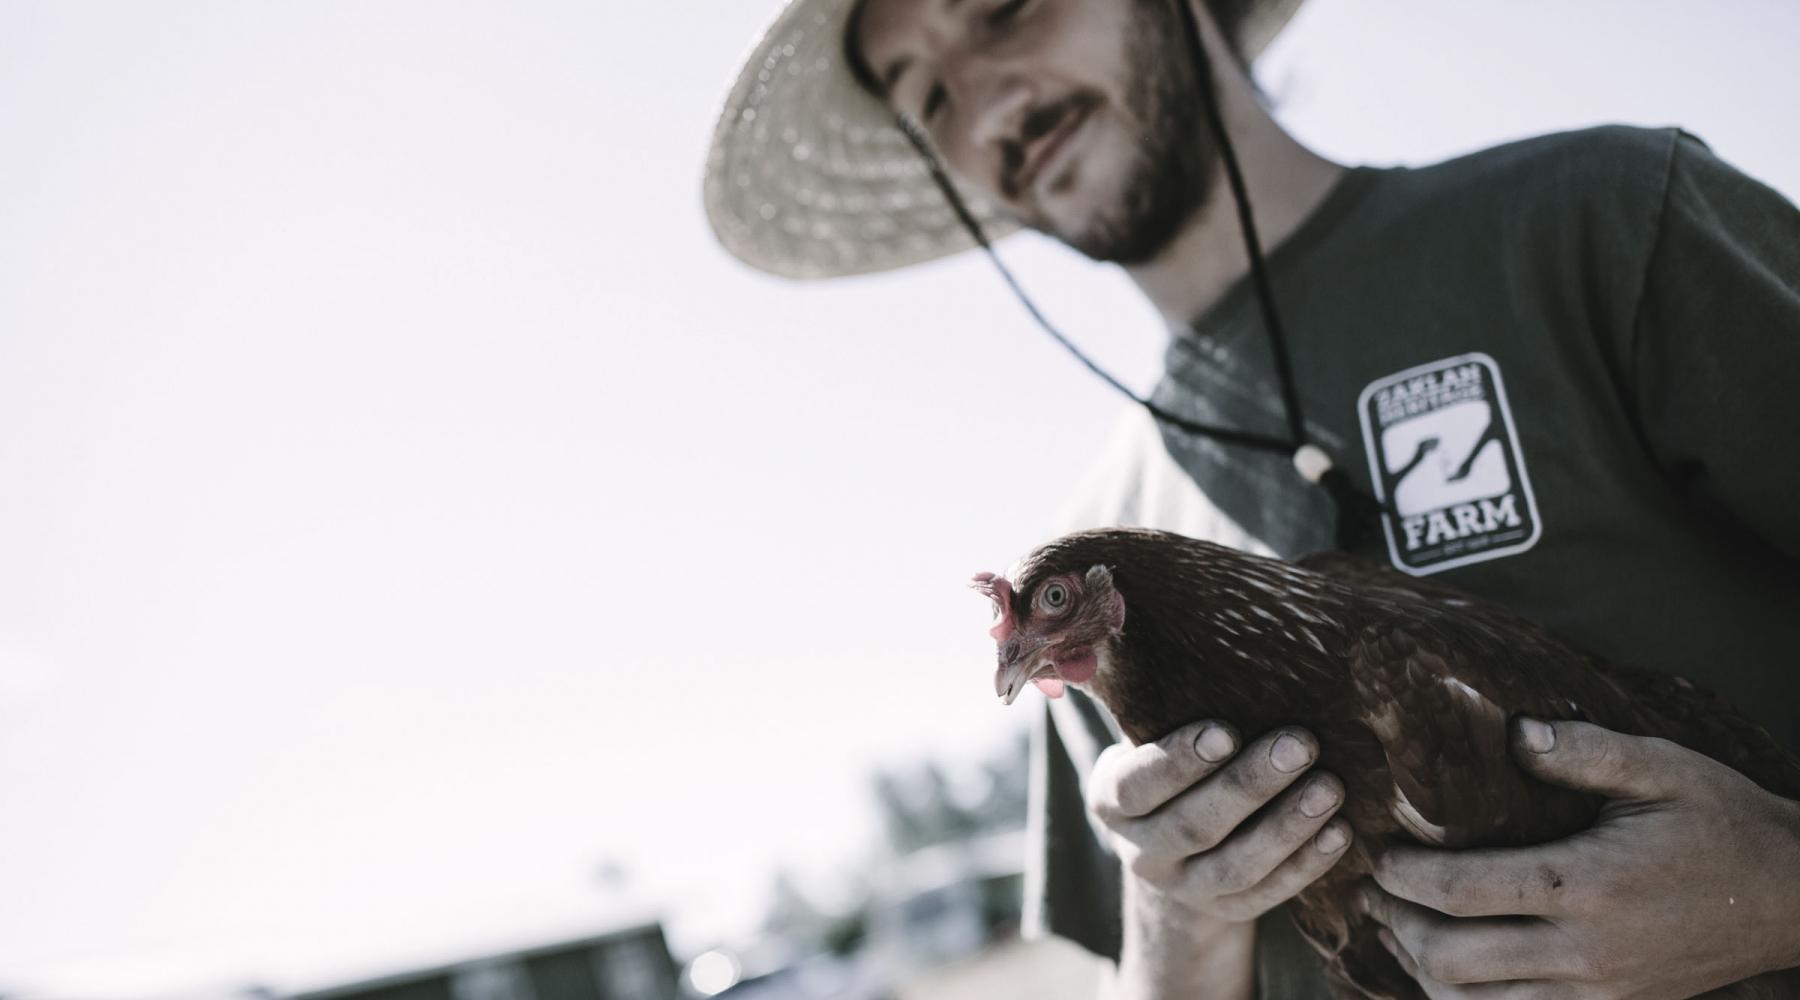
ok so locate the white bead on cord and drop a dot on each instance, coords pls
(1312, 462)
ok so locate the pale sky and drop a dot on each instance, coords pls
(405, 506)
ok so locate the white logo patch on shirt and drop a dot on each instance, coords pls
(1445, 457)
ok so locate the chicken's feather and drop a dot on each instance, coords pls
(1409, 684)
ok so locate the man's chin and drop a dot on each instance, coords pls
(1114, 241)
(1136, 226)
(1094, 234)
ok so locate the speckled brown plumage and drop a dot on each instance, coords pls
(1409, 685)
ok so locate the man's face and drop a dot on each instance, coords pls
(1080, 117)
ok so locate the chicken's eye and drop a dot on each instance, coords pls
(1054, 597)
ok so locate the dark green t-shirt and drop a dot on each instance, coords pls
(1572, 367)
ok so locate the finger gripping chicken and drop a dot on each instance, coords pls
(1409, 685)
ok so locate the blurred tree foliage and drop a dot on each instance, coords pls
(932, 803)
(922, 804)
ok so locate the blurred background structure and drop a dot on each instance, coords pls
(629, 962)
(421, 548)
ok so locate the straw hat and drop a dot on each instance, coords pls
(808, 177)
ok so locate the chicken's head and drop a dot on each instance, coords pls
(1054, 629)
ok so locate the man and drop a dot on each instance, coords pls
(1566, 364)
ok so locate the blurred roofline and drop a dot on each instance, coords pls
(619, 931)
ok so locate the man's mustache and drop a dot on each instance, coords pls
(1035, 125)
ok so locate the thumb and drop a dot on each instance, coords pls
(1589, 758)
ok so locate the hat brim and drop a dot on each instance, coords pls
(808, 176)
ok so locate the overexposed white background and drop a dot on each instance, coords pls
(406, 510)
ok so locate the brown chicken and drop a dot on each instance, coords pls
(1409, 686)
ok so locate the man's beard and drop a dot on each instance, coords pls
(1172, 165)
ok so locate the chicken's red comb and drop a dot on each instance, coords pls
(1000, 591)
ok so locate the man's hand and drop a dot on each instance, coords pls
(1198, 867)
(1689, 881)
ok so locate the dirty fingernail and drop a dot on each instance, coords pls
(1289, 754)
(1214, 744)
(1318, 798)
(1537, 737)
(1331, 839)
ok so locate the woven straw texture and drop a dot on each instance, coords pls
(809, 177)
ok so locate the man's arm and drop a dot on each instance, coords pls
(1202, 857)
(1168, 956)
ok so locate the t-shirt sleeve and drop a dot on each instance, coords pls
(1716, 349)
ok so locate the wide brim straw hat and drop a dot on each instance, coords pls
(808, 175)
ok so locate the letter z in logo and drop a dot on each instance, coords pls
(1444, 456)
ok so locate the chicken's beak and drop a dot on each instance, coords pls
(1009, 679)
(1016, 668)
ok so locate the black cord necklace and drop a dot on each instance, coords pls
(1358, 513)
